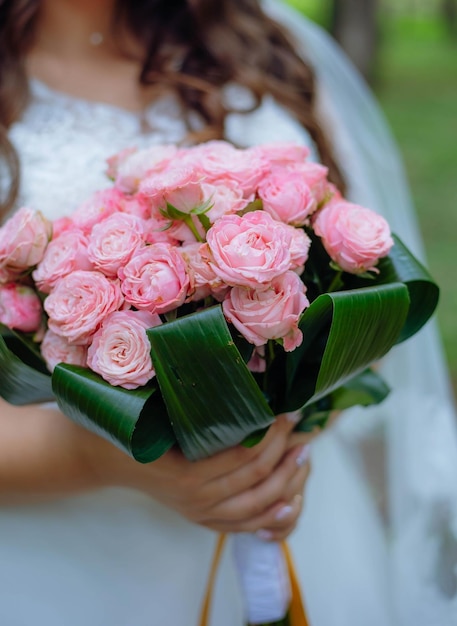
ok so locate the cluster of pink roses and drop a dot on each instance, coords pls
(201, 224)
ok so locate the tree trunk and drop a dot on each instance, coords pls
(354, 26)
(449, 12)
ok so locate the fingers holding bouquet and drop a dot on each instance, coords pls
(264, 494)
(238, 490)
(272, 507)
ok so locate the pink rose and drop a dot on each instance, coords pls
(138, 206)
(250, 250)
(281, 153)
(287, 197)
(114, 162)
(269, 313)
(220, 160)
(257, 363)
(354, 237)
(155, 279)
(178, 185)
(205, 281)
(226, 197)
(159, 229)
(61, 225)
(121, 352)
(101, 205)
(315, 176)
(79, 303)
(299, 248)
(23, 240)
(134, 165)
(113, 242)
(20, 308)
(65, 254)
(56, 349)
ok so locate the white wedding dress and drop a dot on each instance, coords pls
(376, 545)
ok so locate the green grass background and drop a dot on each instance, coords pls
(417, 87)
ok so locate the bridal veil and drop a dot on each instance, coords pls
(406, 448)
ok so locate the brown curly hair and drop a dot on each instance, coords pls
(194, 47)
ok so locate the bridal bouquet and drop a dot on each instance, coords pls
(208, 289)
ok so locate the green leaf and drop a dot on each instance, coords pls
(136, 421)
(423, 291)
(343, 333)
(255, 205)
(364, 389)
(402, 266)
(23, 377)
(204, 221)
(212, 398)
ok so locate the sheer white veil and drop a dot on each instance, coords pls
(416, 426)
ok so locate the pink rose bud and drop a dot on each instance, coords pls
(155, 279)
(178, 185)
(56, 349)
(65, 254)
(287, 197)
(253, 249)
(226, 197)
(121, 352)
(20, 308)
(269, 313)
(354, 237)
(23, 240)
(79, 303)
(257, 363)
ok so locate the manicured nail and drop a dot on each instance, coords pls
(283, 512)
(264, 535)
(294, 417)
(304, 455)
(297, 500)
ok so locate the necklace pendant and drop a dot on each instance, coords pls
(96, 39)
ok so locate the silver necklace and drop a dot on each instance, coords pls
(96, 39)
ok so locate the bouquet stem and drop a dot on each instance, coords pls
(264, 579)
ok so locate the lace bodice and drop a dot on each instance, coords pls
(63, 142)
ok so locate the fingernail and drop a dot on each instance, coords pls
(297, 500)
(264, 535)
(283, 512)
(303, 455)
(294, 417)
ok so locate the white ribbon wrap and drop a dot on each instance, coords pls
(263, 576)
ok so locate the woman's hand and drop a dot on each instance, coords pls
(257, 489)
(44, 455)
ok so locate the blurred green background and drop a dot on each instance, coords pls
(408, 51)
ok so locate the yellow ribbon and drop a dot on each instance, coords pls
(297, 614)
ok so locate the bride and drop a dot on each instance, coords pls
(88, 536)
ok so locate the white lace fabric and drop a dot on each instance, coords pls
(63, 144)
(102, 558)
